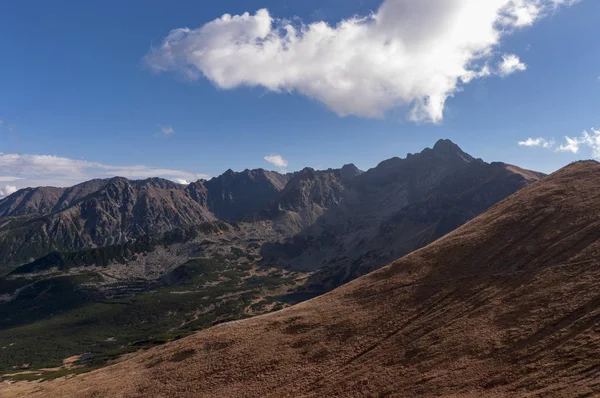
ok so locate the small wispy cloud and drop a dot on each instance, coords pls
(277, 160)
(511, 64)
(9, 179)
(10, 127)
(588, 138)
(167, 130)
(541, 142)
(46, 170)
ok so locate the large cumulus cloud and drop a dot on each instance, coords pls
(410, 54)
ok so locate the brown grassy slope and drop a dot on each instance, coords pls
(507, 305)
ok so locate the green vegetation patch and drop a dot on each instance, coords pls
(57, 318)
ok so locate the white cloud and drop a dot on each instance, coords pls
(277, 160)
(572, 145)
(541, 142)
(46, 170)
(181, 181)
(408, 54)
(589, 139)
(167, 130)
(510, 64)
(7, 190)
(8, 179)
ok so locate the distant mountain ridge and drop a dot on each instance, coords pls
(37, 221)
(119, 210)
(235, 196)
(306, 197)
(43, 200)
(397, 207)
(340, 218)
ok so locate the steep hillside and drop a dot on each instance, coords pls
(395, 208)
(507, 305)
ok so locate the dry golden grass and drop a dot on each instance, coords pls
(507, 305)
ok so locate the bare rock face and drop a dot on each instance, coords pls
(397, 207)
(235, 196)
(119, 210)
(197, 191)
(293, 201)
(44, 200)
(307, 196)
(37, 221)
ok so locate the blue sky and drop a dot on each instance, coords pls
(74, 84)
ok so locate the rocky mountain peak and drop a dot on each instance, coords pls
(350, 171)
(229, 174)
(159, 183)
(449, 148)
(307, 172)
(234, 196)
(197, 191)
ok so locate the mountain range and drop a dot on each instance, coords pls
(37, 221)
(395, 208)
(110, 266)
(506, 305)
(314, 205)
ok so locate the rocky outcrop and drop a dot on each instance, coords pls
(307, 196)
(235, 196)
